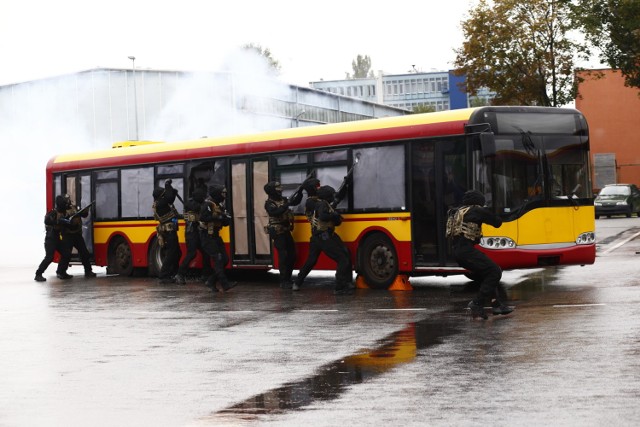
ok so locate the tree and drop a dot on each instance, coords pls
(266, 53)
(361, 68)
(520, 51)
(423, 108)
(613, 26)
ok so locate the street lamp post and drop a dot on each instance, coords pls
(135, 92)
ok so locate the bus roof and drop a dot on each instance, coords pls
(390, 128)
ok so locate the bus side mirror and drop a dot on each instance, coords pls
(488, 144)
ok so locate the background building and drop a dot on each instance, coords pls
(442, 90)
(107, 105)
(613, 112)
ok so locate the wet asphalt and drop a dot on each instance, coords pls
(115, 351)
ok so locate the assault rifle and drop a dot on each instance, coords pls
(80, 212)
(342, 190)
(299, 189)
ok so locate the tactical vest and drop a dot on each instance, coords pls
(320, 225)
(214, 226)
(457, 226)
(192, 216)
(56, 227)
(283, 222)
(75, 226)
(173, 213)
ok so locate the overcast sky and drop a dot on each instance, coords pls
(311, 40)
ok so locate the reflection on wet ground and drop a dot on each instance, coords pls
(331, 380)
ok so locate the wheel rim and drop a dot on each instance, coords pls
(382, 262)
(123, 257)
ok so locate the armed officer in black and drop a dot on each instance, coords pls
(72, 238)
(280, 227)
(192, 209)
(54, 222)
(465, 237)
(326, 219)
(311, 186)
(212, 218)
(166, 214)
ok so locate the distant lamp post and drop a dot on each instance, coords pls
(298, 117)
(135, 92)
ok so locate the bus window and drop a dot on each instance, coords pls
(379, 178)
(293, 159)
(205, 173)
(137, 192)
(330, 156)
(333, 176)
(57, 186)
(107, 206)
(290, 181)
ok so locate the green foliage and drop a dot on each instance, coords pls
(422, 108)
(521, 51)
(361, 68)
(613, 26)
(264, 52)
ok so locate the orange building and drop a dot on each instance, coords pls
(613, 113)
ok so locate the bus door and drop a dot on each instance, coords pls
(439, 180)
(250, 244)
(78, 187)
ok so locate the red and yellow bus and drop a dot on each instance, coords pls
(532, 164)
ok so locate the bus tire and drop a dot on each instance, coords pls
(378, 261)
(155, 259)
(120, 257)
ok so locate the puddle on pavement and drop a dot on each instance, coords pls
(333, 379)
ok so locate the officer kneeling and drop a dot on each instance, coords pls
(464, 227)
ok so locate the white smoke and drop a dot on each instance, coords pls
(37, 122)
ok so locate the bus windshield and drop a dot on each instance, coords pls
(531, 170)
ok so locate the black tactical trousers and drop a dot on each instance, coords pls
(487, 272)
(214, 247)
(193, 243)
(286, 248)
(314, 252)
(52, 243)
(333, 247)
(75, 240)
(170, 255)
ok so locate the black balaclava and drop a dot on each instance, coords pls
(311, 186)
(473, 197)
(159, 191)
(218, 193)
(273, 189)
(326, 192)
(61, 203)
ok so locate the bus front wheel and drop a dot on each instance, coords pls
(120, 258)
(378, 261)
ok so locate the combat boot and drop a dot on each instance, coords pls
(180, 280)
(39, 277)
(89, 274)
(296, 285)
(229, 285)
(64, 276)
(477, 310)
(500, 308)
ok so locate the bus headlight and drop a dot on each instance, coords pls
(623, 203)
(497, 243)
(586, 238)
(597, 204)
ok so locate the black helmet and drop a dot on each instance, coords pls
(326, 192)
(473, 197)
(218, 192)
(273, 189)
(61, 203)
(310, 185)
(157, 193)
(199, 194)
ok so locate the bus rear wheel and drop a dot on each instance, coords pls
(120, 258)
(155, 259)
(378, 261)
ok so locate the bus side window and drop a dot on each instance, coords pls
(379, 178)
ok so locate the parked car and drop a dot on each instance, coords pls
(618, 199)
